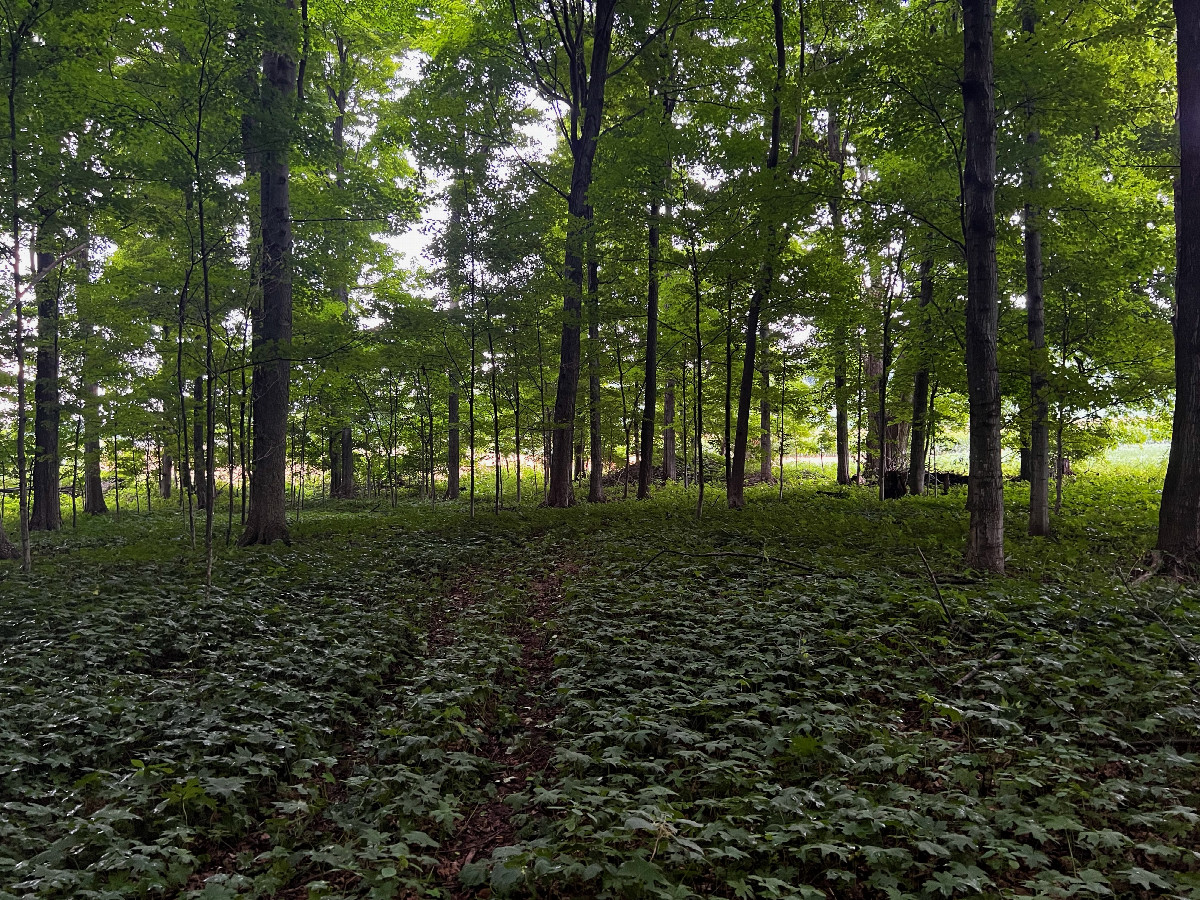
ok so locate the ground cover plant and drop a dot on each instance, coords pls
(806, 698)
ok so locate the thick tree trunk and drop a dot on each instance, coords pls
(272, 315)
(735, 487)
(588, 106)
(985, 493)
(166, 475)
(920, 402)
(47, 504)
(1179, 514)
(1035, 314)
(335, 464)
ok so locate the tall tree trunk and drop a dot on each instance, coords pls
(588, 85)
(841, 399)
(93, 485)
(841, 392)
(453, 452)
(920, 402)
(346, 462)
(200, 465)
(1035, 315)
(875, 463)
(47, 504)
(272, 319)
(650, 409)
(166, 475)
(596, 469)
(1179, 514)
(735, 487)
(670, 461)
(985, 492)
(764, 409)
(728, 435)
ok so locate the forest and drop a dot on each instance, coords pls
(599, 448)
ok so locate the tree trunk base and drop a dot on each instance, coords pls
(263, 534)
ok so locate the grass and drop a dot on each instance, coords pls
(610, 701)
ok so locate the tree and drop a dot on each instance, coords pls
(272, 319)
(985, 498)
(1179, 514)
(582, 92)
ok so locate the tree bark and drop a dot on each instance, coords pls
(453, 452)
(649, 409)
(199, 463)
(841, 392)
(985, 492)
(595, 451)
(272, 315)
(587, 108)
(735, 487)
(346, 463)
(670, 464)
(166, 475)
(47, 504)
(764, 409)
(93, 486)
(1035, 315)
(1179, 514)
(920, 403)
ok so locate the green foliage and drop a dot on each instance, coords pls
(779, 707)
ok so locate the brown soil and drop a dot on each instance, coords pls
(521, 756)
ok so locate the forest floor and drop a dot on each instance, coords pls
(611, 701)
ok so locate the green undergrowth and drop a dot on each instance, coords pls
(808, 698)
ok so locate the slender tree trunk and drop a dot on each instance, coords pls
(587, 106)
(93, 485)
(596, 450)
(1035, 313)
(735, 488)
(920, 403)
(841, 394)
(873, 370)
(985, 493)
(203, 494)
(764, 411)
(15, 45)
(728, 442)
(272, 320)
(1179, 514)
(670, 458)
(346, 462)
(47, 504)
(454, 452)
(74, 476)
(650, 410)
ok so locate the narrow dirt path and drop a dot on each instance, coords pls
(521, 754)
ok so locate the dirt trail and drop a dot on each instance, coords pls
(521, 754)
